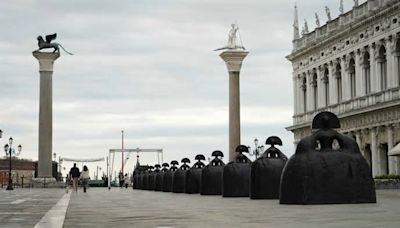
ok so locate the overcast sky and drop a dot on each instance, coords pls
(148, 67)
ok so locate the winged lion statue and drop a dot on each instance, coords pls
(44, 44)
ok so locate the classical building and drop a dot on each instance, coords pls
(351, 66)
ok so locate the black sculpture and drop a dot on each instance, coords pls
(178, 182)
(167, 178)
(160, 177)
(145, 178)
(236, 175)
(193, 176)
(266, 172)
(152, 177)
(44, 44)
(211, 175)
(320, 173)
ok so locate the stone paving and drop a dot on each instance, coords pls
(136, 208)
(25, 207)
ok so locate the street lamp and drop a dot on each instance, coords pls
(258, 150)
(10, 151)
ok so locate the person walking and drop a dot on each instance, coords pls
(85, 177)
(74, 174)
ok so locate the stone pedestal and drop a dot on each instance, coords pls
(233, 60)
(46, 62)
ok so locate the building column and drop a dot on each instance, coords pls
(392, 160)
(320, 88)
(332, 83)
(375, 75)
(390, 63)
(359, 74)
(46, 63)
(310, 92)
(358, 140)
(345, 79)
(233, 60)
(374, 153)
(396, 73)
(295, 94)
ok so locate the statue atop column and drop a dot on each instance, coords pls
(355, 3)
(232, 39)
(45, 44)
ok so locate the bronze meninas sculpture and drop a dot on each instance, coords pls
(320, 173)
(45, 44)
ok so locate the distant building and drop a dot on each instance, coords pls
(351, 66)
(21, 170)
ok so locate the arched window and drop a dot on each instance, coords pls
(326, 85)
(382, 64)
(366, 65)
(352, 74)
(304, 89)
(315, 90)
(339, 82)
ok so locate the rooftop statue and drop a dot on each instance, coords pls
(317, 22)
(355, 2)
(232, 40)
(328, 13)
(45, 44)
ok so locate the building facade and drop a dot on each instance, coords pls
(351, 66)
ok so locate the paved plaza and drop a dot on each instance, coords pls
(137, 208)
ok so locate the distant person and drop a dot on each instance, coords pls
(74, 174)
(85, 177)
(126, 180)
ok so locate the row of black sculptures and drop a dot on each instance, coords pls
(318, 172)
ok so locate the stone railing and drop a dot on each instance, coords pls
(356, 104)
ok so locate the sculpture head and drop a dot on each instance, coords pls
(185, 160)
(200, 157)
(217, 153)
(273, 140)
(325, 120)
(174, 163)
(165, 165)
(242, 149)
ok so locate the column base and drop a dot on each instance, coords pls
(44, 180)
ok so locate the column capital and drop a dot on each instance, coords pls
(234, 59)
(46, 60)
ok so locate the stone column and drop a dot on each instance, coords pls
(374, 153)
(359, 74)
(332, 83)
(320, 87)
(358, 140)
(392, 160)
(46, 62)
(295, 94)
(375, 86)
(233, 60)
(345, 77)
(310, 92)
(390, 48)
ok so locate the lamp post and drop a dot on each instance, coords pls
(10, 151)
(258, 149)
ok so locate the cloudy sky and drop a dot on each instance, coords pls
(148, 67)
